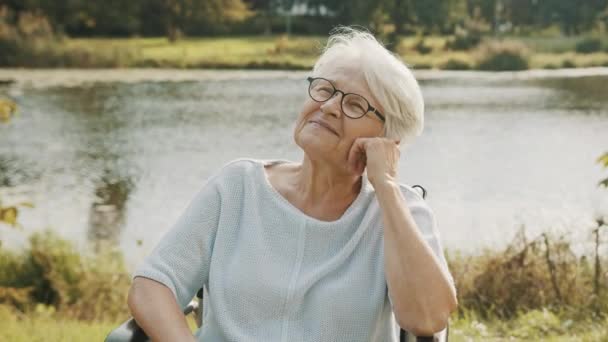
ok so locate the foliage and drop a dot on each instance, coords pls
(52, 272)
(538, 274)
(8, 109)
(468, 36)
(589, 45)
(422, 48)
(455, 64)
(603, 160)
(502, 56)
(212, 17)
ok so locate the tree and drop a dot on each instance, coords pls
(431, 15)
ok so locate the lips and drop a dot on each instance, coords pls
(325, 125)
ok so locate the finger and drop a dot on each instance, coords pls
(356, 154)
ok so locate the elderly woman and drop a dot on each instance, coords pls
(332, 248)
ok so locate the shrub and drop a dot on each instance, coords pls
(464, 41)
(502, 56)
(528, 275)
(456, 64)
(51, 272)
(422, 48)
(568, 64)
(589, 45)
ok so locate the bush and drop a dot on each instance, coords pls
(422, 48)
(568, 64)
(502, 56)
(538, 274)
(52, 273)
(589, 45)
(462, 41)
(455, 64)
(31, 42)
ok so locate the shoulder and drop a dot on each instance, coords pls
(235, 170)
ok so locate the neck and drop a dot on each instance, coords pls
(319, 183)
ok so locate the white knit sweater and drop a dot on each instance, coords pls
(272, 273)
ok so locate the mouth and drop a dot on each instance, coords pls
(324, 125)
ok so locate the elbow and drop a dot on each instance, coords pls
(431, 322)
(427, 327)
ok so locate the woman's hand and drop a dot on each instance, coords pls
(379, 155)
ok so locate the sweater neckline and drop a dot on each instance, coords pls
(284, 202)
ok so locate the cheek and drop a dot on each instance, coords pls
(308, 108)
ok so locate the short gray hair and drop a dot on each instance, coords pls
(388, 77)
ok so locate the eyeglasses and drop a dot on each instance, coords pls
(353, 105)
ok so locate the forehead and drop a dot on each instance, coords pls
(345, 74)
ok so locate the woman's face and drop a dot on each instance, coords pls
(333, 145)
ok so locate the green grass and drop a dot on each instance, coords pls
(45, 325)
(271, 51)
(49, 329)
(532, 326)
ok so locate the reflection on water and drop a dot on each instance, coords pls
(587, 94)
(119, 161)
(107, 213)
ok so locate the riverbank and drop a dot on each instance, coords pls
(535, 289)
(43, 78)
(282, 53)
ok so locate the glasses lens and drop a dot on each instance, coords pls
(354, 105)
(321, 90)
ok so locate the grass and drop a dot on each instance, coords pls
(534, 289)
(533, 326)
(277, 52)
(45, 325)
(233, 52)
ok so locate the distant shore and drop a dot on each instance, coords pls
(280, 53)
(41, 78)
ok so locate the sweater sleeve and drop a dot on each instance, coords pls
(181, 260)
(426, 223)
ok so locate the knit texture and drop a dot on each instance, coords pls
(273, 273)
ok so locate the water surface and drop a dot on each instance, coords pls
(117, 155)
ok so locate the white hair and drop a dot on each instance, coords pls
(388, 77)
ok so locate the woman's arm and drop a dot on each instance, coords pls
(156, 311)
(421, 291)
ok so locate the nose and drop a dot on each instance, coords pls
(333, 106)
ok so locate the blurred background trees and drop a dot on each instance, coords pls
(174, 18)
